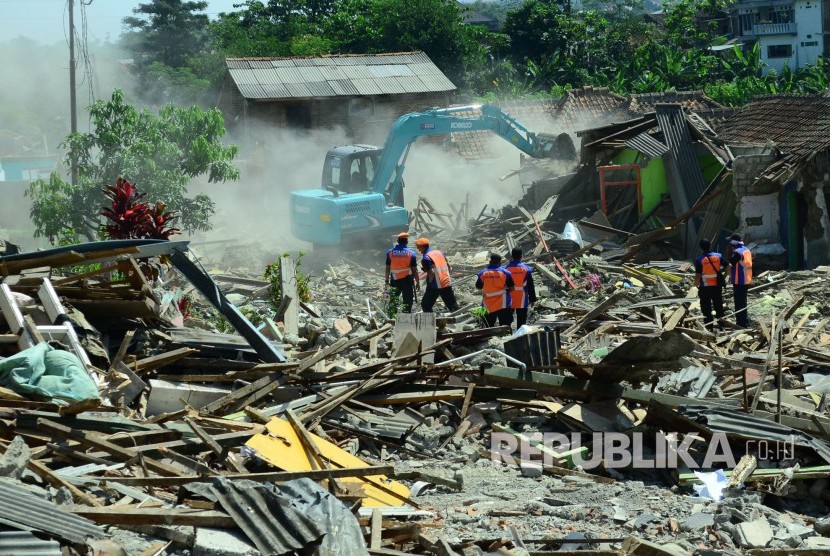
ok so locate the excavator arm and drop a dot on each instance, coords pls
(335, 215)
(388, 178)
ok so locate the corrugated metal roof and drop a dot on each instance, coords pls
(367, 87)
(21, 509)
(742, 425)
(688, 185)
(277, 518)
(336, 75)
(647, 145)
(23, 543)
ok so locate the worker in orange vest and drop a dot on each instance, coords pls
(710, 273)
(740, 278)
(523, 294)
(401, 269)
(439, 281)
(496, 285)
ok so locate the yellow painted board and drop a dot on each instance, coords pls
(282, 448)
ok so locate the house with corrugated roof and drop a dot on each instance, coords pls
(781, 145)
(363, 93)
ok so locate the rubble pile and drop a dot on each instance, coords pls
(156, 403)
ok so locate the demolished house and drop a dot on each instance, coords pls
(658, 172)
(167, 399)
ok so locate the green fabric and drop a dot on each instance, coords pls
(45, 371)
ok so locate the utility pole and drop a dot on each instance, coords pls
(73, 116)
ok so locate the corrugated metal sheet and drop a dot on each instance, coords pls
(357, 72)
(343, 87)
(340, 75)
(282, 518)
(647, 145)
(412, 84)
(367, 87)
(685, 179)
(742, 425)
(321, 89)
(23, 543)
(21, 509)
(390, 70)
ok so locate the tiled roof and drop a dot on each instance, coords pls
(336, 75)
(798, 125)
(590, 107)
(695, 101)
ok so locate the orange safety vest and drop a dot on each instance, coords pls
(742, 270)
(518, 295)
(441, 269)
(495, 290)
(400, 264)
(711, 268)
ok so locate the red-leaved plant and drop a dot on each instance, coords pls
(132, 218)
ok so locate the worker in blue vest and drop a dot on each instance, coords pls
(710, 277)
(402, 271)
(523, 294)
(740, 277)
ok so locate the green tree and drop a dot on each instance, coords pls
(167, 31)
(275, 28)
(432, 26)
(174, 53)
(159, 153)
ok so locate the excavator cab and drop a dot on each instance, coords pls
(351, 169)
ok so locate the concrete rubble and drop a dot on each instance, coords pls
(415, 434)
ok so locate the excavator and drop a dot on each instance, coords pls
(361, 198)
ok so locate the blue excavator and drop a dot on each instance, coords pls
(361, 199)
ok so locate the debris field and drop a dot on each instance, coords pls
(156, 401)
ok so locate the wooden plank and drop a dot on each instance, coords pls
(50, 477)
(288, 278)
(595, 312)
(571, 388)
(156, 361)
(92, 440)
(122, 349)
(220, 452)
(78, 277)
(376, 529)
(246, 395)
(276, 477)
(120, 515)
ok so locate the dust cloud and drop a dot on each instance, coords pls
(35, 114)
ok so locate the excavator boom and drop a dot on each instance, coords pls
(362, 185)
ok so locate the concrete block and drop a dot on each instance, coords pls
(753, 534)
(697, 521)
(164, 396)
(531, 469)
(222, 542)
(420, 325)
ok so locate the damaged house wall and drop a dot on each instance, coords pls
(814, 187)
(794, 132)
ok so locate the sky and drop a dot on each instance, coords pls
(46, 21)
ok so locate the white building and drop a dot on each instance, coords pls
(788, 32)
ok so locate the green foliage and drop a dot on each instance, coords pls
(172, 52)
(479, 313)
(162, 152)
(393, 303)
(273, 275)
